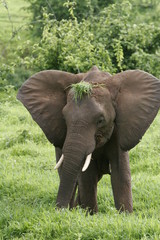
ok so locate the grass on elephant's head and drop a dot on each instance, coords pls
(29, 185)
(81, 89)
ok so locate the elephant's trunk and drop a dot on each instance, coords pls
(76, 149)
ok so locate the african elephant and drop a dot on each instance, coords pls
(92, 119)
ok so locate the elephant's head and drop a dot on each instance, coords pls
(78, 113)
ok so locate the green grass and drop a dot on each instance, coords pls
(29, 185)
(13, 20)
(80, 89)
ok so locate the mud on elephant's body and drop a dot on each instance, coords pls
(92, 119)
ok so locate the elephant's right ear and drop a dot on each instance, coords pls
(44, 97)
(137, 101)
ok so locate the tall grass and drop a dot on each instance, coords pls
(28, 187)
(13, 24)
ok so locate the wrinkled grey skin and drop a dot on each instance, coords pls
(107, 124)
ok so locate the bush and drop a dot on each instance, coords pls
(10, 75)
(143, 10)
(57, 10)
(108, 40)
(5, 70)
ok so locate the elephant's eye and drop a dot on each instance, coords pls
(100, 121)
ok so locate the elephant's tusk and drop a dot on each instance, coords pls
(87, 162)
(59, 162)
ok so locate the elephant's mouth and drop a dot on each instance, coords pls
(103, 136)
(100, 139)
(85, 166)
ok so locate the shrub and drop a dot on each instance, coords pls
(57, 10)
(5, 70)
(108, 40)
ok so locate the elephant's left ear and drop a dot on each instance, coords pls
(44, 96)
(137, 103)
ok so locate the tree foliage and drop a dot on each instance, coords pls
(110, 40)
(58, 10)
(142, 11)
(89, 33)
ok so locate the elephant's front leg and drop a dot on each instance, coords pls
(87, 189)
(121, 181)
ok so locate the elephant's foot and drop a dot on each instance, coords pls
(90, 205)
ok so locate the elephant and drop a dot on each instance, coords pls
(93, 119)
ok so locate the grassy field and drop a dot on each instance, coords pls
(13, 20)
(29, 184)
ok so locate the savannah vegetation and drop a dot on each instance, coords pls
(69, 36)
